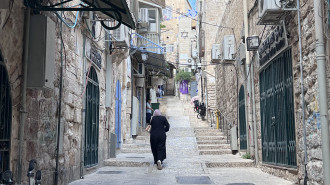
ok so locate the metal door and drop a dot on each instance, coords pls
(118, 114)
(242, 120)
(277, 112)
(92, 119)
(5, 118)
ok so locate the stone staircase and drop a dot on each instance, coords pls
(211, 142)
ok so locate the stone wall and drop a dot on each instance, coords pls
(227, 88)
(40, 130)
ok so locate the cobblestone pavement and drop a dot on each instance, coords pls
(183, 164)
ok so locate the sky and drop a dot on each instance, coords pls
(193, 4)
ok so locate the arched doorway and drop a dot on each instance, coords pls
(242, 120)
(118, 114)
(92, 119)
(5, 117)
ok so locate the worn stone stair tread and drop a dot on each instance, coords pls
(215, 152)
(211, 142)
(137, 150)
(213, 146)
(230, 164)
(127, 163)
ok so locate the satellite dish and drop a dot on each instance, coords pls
(189, 60)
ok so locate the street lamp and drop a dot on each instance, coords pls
(252, 43)
(144, 54)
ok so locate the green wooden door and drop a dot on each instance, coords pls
(5, 118)
(92, 119)
(242, 120)
(277, 112)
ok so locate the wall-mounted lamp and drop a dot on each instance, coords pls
(252, 43)
(144, 54)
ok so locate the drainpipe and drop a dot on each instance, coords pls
(23, 100)
(254, 115)
(302, 93)
(59, 111)
(83, 112)
(322, 79)
(247, 66)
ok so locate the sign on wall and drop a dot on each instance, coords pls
(273, 45)
(95, 57)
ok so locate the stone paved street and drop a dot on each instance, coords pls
(183, 165)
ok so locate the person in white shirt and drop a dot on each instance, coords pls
(149, 111)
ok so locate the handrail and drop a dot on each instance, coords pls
(149, 41)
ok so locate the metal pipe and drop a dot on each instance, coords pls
(256, 156)
(302, 92)
(83, 112)
(23, 100)
(247, 66)
(322, 81)
(59, 110)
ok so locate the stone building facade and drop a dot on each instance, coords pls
(233, 79)
(84, 141)
(210, 11)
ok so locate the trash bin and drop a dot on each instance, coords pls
(155, 106)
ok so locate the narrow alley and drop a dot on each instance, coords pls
(189, 157)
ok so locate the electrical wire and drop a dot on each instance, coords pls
(11, 9)
(174, 11)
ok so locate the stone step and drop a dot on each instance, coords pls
(126, 163)
(142, 137)
(215, 152)
(197, 134)
(214, 147)
(248, 163)
(135, 145)
(135, 150)
(203, 142)
(198, 138)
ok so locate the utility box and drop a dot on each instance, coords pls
(135, 116)
(112, 143)
(42, 48)
(233, 139)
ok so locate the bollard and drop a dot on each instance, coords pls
(217, 114)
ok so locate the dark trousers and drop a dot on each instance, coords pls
(158, 147)
(148, 117)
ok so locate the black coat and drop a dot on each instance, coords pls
(159, 125)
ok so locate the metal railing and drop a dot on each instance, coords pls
(225, 124)
(150, 41)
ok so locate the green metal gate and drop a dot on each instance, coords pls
(5, 118)
(92, 119)
(242, 120)
(277, 112)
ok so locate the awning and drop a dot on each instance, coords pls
(119, 5)
(155, 62)
(114, 9)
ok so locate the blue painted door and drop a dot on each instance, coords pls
(118, 114)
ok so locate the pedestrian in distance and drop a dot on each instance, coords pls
(148, 112)
(159, 125)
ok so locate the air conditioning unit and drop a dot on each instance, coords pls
(272, 12)
(141, 70)
(228, 47)
(194, 52)
(119, 37)
(216, 53)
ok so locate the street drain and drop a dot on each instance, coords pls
(136, 157)
(193, 180)
(110, 172)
